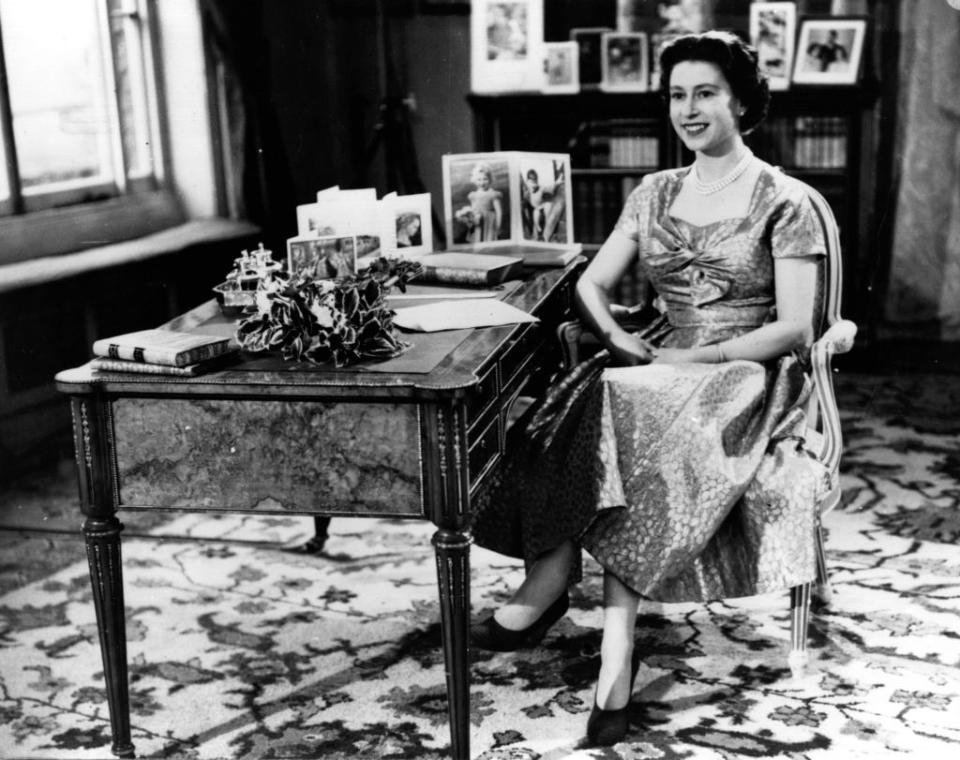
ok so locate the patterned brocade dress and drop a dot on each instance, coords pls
(689, 481)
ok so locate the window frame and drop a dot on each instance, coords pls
(57, 223)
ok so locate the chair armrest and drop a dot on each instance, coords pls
(836, 340)
(574, 334)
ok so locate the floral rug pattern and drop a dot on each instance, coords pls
(242, 647)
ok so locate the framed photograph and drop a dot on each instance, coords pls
(624, 58)
(773, 29)
(508, 198)
(324, 257)
(561, 67)
(506, 40)
(546, 201)
(477, 198)
(410, 220)
(830, 50)
(589, 40)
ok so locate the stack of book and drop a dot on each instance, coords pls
(161, 352)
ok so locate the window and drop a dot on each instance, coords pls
(80, 126)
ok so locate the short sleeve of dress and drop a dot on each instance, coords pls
(796, 228)
(629, 221)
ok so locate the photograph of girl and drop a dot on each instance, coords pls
(480, 196)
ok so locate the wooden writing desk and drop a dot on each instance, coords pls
(345, 442)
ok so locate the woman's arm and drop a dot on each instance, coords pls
(497, 210)
(795, 283)
(593, 292)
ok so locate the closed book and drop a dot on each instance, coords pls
(469, 268)
(539, 255)
(142, 368)
(167, 347)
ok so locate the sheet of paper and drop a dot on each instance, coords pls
(457, 315)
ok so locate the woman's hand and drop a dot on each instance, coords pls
(630, 350)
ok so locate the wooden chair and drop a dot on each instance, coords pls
(833, 335)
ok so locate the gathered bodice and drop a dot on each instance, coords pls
(718, 277)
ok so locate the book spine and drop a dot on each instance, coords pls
(153, 355)
(120, 365)
(455, 276)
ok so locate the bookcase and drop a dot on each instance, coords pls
(820, 135)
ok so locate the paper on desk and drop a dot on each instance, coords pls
(457, 315)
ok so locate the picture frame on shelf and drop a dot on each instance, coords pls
(561, 68)
(325, 257)
(625, 60)
(830, 50)
(506, 42)
(589, 51)
(773, 32)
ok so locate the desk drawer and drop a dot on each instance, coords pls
(269, 456)
(485, 450)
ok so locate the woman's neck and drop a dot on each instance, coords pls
(712, 166)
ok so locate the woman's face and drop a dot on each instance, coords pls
(703, 108)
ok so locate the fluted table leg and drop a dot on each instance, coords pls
(453, 576)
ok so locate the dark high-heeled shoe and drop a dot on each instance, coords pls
(607, 727)
(489, 634)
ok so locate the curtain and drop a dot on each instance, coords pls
(924, 286)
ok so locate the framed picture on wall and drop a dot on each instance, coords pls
(506, 42)
(830, 50)
(561, 67)
(625, 58)
(773, 30)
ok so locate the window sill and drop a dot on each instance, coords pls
(38, 271)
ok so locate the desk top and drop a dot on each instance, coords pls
(453, 375)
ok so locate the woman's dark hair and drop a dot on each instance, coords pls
(734, 57)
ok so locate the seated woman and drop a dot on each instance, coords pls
(676, 457)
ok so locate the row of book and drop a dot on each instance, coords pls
(597, 202)
(619, 143)
(808, 142)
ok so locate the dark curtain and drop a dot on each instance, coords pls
(924, 287)
(256, 168)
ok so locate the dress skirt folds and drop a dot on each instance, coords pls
(688, 482)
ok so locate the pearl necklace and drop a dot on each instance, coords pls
(709, 188)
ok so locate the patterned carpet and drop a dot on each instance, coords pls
(241, 647)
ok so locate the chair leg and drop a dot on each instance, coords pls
(799, 623)
(824, 590)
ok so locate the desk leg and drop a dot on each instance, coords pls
(106, 578)
(453, 576)
(93, 441)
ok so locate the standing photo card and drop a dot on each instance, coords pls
(506, 41)
(408, 225)
(508, 198)
(773, 29)
(325, 257)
